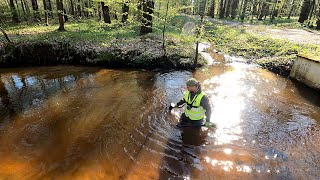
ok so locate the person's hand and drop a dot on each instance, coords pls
(171, 106)
(208, 124)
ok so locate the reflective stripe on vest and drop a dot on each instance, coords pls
(196, 112)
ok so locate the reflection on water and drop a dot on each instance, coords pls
(92, 123)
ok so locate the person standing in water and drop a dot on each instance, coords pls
(197, 105)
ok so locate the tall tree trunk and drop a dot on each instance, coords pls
(5, 35)
(264, 11)
(72, 8)
(164, 29)
(17, 7)
(244, 8)
(79, 8)
(15, 17)
(99, 11)
(106, 13)
(305, 10)
(311, 12)
(36, 14)
(50, 8)
(318, 24)
(23, 10)
(45, 12)
(85, 11)
(274, 12)
(27, 7)
(222, 9)
(228, 7)
(202, 10)
(115, 15)
(146, 21)
(318, 20)
(291, 8)
(234, 8)
(213, 5)
(125, 11)
(60, 15)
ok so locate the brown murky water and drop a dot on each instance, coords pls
(92, 123)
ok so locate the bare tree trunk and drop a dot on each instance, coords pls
(79, 8)
(305, 10)
(72, 8)
(106, 13)
(264, 11)
(202, 10)
(252, 11)
(291, 9)
(6, 36)
(45, 12)
(146, 21)
(318, 20)
(17, 7)
(234, 8)
(15, 17)
(213, 5)
(115, 15)
(164, 29)
(311, 12)
(274, 12)
(244, 8)
(228, 7)
(50, 14)
(85, 9)
(23, 10)
(60, 15)
(36, 14)
(125, 11)
(222, 10)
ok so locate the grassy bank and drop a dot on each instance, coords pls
(274, 54)
(95, 43)
(91, 31)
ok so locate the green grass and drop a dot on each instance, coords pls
(92, 31)
(280, 22)
(240, 42)
(86, 31)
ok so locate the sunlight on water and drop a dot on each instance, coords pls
(228, 105)
(227, 151)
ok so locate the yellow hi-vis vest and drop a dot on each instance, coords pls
(196, 112)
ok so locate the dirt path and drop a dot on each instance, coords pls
(299, 36)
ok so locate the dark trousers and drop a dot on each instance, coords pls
(185, 120)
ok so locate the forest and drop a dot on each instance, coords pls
(145, 12)
(174, 24)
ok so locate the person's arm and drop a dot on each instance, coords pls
(182, 101)
(206, 105)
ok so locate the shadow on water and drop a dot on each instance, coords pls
(184, 160)
(80, 126)
(313, 96)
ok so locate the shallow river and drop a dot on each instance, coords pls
(68, 122)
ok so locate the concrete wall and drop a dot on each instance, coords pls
(306, 71)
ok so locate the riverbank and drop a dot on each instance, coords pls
(145, 52)
(274, 54)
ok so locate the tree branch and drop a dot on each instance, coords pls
(5, 35)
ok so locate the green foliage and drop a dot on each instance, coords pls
(239, 42)
(89, 31)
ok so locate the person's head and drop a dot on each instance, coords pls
(192, 85)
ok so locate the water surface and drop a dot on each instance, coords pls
(93, 123)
